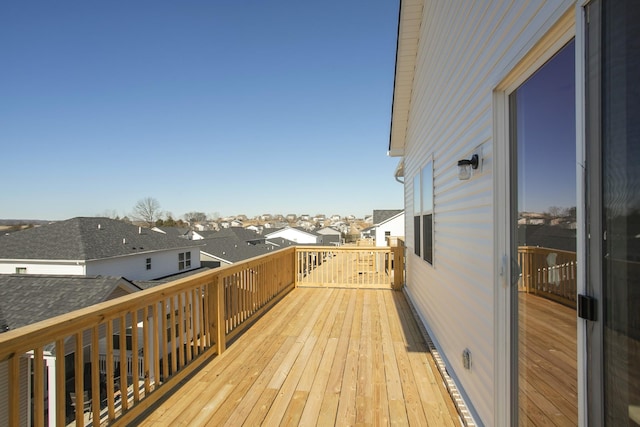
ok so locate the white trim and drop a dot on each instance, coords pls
(580, 50)
(560, 29)
(502, 268)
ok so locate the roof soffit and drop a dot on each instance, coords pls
(410, 19)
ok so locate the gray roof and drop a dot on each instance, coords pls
(86, 238)
(232, 250)
(30, 298)
(275, 230)
(174, 231)
(380, 216)
(239, 233)
(281, 242)
(146, 284)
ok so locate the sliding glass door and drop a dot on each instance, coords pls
(613, 201)
(543, 235)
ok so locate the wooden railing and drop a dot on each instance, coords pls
(350, 266)
(550, 273)
(172, 328)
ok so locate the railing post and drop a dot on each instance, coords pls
(221, 332)
(295, 266)
(398, 267)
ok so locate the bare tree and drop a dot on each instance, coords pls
(147, 210)
(195, 217)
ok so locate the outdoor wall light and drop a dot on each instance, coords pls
(465, 166)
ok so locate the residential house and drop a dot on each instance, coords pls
(28, 299)
(183, 232)
(232, 245)
(88, 246)
(295, 234)
(330, 236)
(387, 223)
(255, 228)
(508, 107)
(229, 250)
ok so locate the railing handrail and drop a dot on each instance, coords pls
(534, 249)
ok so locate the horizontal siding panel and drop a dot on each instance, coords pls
(465, 49)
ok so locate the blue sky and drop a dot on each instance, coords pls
(547, 135)
(216, 106)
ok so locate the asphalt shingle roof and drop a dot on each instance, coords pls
(233, 250)
(383, 215)
(238, 233)
(86, 238)
(28, 298)
(174, 231)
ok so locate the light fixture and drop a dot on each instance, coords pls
(465, 166)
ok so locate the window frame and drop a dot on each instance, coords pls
(423, 212)
(184, 260)
(427, 211)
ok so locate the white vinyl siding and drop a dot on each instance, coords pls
(465, 50)
(54, 267)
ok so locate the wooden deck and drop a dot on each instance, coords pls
(548, 366)
(318, 357)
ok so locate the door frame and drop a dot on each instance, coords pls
(567, 23)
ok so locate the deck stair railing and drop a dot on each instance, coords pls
(175, 327)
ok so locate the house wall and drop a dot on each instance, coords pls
(395, 226)
(54, 267)
(294, 235)
(465, 50)
(133, 267)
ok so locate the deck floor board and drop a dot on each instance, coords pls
(319, 357)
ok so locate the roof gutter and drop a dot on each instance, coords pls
(399, 172)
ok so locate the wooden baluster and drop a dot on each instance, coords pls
(124, 364)
(61, 401)
(79, 383)
(180, 326)
(109, 375)
(220, 314)
(38, 386)
(95, 375)
(188, 324)
(145, 350)
(135, 382)
(156, 333)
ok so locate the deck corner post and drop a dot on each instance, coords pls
(398, 267)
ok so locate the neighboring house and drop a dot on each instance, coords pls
(27, 299)
(88, 246)
(255, 228)
(238, 233)
(185, 233)
(231, 245)
(387, 223)
(329, 236)
(229, 250)
(295, 234)
(471, 161)
(281, 242)
(368, 233)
